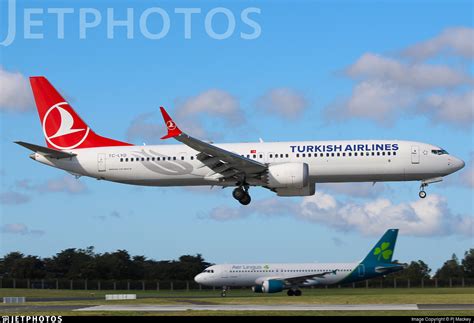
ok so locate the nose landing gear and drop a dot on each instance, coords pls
(425, 182)
(242, 195)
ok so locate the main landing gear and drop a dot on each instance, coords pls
(241, 194)
(224, 291)
(293, 292)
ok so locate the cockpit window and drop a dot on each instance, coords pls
(439, 152)
(208, 271)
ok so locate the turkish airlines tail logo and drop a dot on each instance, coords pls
(61, 130)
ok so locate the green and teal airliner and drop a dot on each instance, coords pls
(274, 278)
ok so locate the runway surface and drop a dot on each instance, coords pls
(296, 307)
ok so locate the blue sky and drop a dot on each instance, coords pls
(326, 55)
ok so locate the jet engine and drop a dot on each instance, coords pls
(287, 175)
(272, 286)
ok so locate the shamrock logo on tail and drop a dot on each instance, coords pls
(383, 251)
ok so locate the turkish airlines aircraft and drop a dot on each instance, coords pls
(274, 278)
(286, 168)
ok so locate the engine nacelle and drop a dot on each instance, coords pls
(272, 286)
(288, 175)
(257, 289)
(308, 190)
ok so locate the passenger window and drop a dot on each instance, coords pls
(121, 159)
(332, 154)
(174, 158)
(281, 155)
(271, 156)
(343, 154)
(286, 156)
(367, 153)
(355, 154)
(389, 153)
(309, 155)
(378, 153)
(131, 159)
(248, 156)
(321, 155)
(297, 155)
(350, 154)
(304, 155)
(254, 156)
(338, 154)
(383, 153)
(261, 156)
(148, 159)
(373, 154)
(327, 154)
(394, 153)
(192, 157)
(276, 155)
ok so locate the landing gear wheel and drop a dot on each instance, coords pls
(245, 200)
(422, 194)
(238, 193)
(298, 292)
(290, 292)
(224, 291)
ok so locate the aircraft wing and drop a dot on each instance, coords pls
(45, 151)
(223, 163)
(301, 279)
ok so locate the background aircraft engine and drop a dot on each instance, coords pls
(288, 175)
(257, 289)
(272, 286)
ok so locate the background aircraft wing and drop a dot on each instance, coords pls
(223, 163)
(298, 280)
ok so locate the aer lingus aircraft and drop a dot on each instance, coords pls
(286, 168)
(274, 278)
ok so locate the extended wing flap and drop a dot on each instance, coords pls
(45, 151)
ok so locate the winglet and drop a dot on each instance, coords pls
(173, 129)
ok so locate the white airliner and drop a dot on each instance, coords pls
(274, 278)
(286, 168)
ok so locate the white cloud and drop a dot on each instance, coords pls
(424, 217)
(13, 198)
(457, 109)
(466, 176)
(360, 190)
(389, 87)
(66, 184)
(377, 67)
(20, 228)
(457, 41)
(213, 102)
(15, 92)
(145, 126)
(373, 99)
(285, 102)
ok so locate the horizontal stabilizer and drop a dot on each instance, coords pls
(45, 151)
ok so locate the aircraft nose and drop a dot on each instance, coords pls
(458, 164)
(198, 279)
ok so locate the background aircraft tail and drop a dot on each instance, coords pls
(382, 252)
(62, 127)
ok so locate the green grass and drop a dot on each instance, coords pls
(310, 296)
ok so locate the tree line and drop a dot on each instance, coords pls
(87, 264)
(120, 265)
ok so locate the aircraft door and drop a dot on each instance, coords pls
(361, 270)
(101, 162)
(415, 154)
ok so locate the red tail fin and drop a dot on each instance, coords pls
(62, 126)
